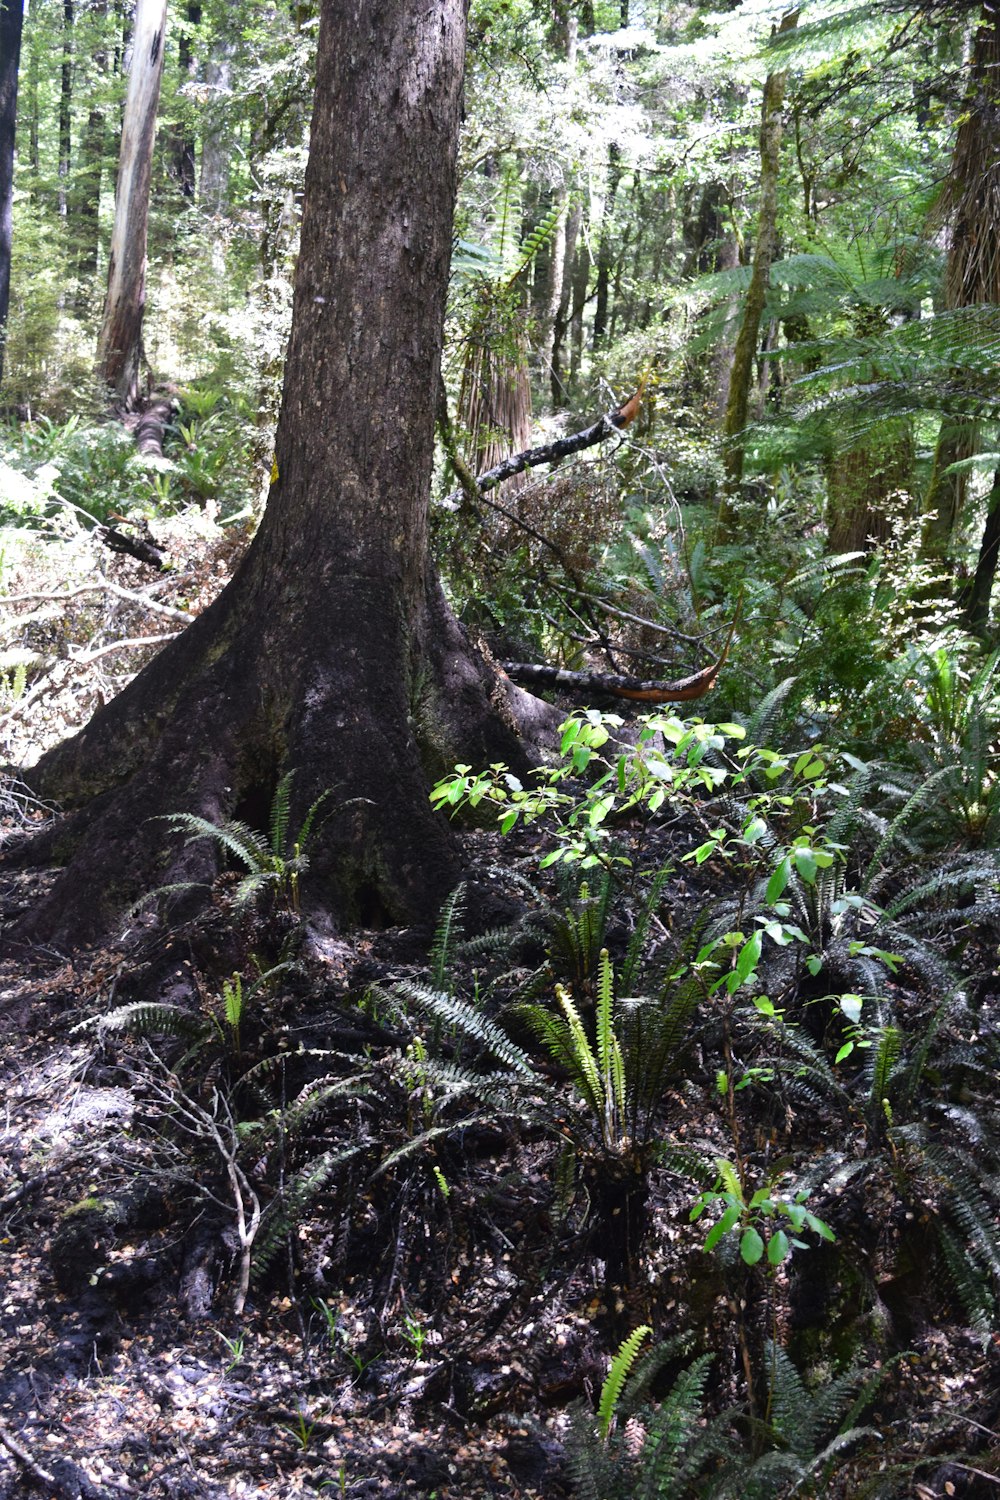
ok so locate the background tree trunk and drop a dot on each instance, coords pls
(331, 651)
(978, 608)
(85, 196)
(971, 199)
(65, 106)
(741, 380)
(11, 20)
(182, 143)
(119, 345)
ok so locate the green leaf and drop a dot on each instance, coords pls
(749, 956)
(851, 1006)
(723, 1226)
(778, 881)
(751, 1246)
(806, 864)
(818, 1227)
(778, 1246)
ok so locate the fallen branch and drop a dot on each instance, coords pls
(84, 658)
(143, 548)
(549, 453)
(685, 690)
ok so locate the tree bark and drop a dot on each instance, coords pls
(11, 21)
(978, 609)
(741, 379)
(972, 272)
(182, 142)
(85, 193)
(605, 252)
(119, 346)
(331, 651)
(65, 105)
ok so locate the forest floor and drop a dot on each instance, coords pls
(421, 1331)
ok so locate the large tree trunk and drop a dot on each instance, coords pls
(741, 379)
(971, 198)
(331, 651)
(859, 483)
(11, 19)
(119, 346)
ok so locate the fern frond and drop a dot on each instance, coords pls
(586, 1072)
(637, 940)
(278, 824)
(446, 934)
(152, 1018)
(762, 722)
(283, 1212)
(239, 839)
(621, 1364)
(899, 822)
(883, 1059)
(471, 1022)
(670, 1434)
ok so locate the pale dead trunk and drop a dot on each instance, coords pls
(119, 345)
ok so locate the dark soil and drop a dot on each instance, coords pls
(423, 1330)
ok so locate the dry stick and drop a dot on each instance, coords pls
(24, 1458)
(687, 689)
(592, 640)
(623, 614)
(131, 643)
(106, 586)
(546, 453)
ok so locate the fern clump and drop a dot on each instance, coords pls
(274, 861)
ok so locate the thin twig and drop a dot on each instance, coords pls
(24, 1458)
(105, 586)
